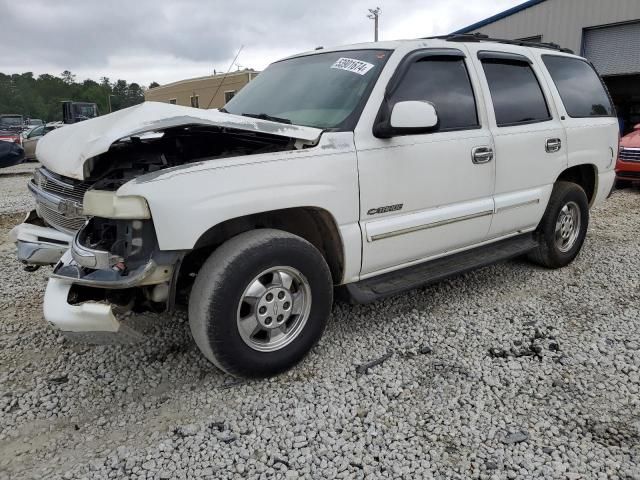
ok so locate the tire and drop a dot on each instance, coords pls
(226, 303)
(558, 243)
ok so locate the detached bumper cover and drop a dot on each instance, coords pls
(93, 322)
(38, 245)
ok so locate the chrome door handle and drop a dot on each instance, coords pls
(481, 155)
(553, 145)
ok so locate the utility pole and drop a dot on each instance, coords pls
(374, 14)
(109, 98)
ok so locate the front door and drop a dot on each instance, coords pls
(426, 194)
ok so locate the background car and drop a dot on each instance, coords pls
(11, 136)
(33, 136)
(12, 122)
(11, 154)
(33, 122)
(628, 164)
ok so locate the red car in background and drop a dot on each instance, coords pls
(10, 136)
(628, 165)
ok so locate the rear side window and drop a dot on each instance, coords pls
(515, 91)
(579, 86)
(445, 83)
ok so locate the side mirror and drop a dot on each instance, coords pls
(408, 117)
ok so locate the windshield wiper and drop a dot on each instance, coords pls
(264, 116)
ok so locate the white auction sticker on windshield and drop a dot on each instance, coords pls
(352, 65)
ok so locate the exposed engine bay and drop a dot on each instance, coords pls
(139, 155)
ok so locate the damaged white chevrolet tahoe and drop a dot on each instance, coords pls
(377, 167)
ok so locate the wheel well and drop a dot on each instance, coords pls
(584, 175)
(315, 225)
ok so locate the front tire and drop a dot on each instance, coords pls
(563, 228)
(260, 302)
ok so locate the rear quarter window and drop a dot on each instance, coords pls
(580, 88)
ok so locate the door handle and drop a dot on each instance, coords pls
(553, 145)
(481, 155)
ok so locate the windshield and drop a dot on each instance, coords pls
(11, 121)
(325, 90)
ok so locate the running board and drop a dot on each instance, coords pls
(392, 283)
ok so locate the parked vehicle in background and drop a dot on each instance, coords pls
(30, 141)
(628, 164)
(13, 136)
(74, 112)
(10, 154)
(12, 122)
(33, 122)
(381, 167)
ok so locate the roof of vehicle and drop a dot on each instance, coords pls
(438, 41)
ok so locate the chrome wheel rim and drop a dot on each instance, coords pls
(274, 309)
(568, 227)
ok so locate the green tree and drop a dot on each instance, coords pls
(68, 77)
(40, 97)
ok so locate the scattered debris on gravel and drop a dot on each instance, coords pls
(511, 372)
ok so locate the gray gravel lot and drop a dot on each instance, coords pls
(509, 372)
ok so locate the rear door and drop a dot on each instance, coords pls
(530, 141)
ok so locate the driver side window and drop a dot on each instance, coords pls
(444, 82)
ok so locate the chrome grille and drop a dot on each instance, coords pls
(59, 186)
(59, 221)
(62, 188)
(630, 154)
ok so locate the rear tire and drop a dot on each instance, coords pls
(563, 228)
(260, 302)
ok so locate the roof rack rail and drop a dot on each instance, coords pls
(479, 37)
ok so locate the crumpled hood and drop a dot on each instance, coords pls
(65, 150)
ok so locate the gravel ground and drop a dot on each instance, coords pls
(13, 185)
(509, 372)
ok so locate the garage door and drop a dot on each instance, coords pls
(614, 50)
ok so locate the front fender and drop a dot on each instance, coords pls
(188, 201)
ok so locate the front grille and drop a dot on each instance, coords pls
(630, 155)
(65, 189)
(59, 221)
(59, 186)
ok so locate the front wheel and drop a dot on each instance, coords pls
(563, 228)
(260, 302)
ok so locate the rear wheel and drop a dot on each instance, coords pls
(563, 228)
(260, 302)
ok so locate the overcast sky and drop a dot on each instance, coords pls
(161, 40)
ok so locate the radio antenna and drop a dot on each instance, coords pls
(225, 75)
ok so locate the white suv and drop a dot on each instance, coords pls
(377, 167)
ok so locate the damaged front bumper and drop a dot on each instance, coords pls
(95, 285)
(92, 322)
(37, 244)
